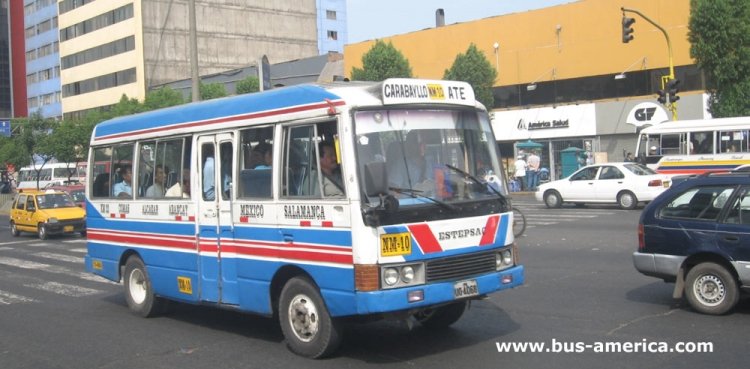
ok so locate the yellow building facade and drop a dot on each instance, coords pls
(582, 38)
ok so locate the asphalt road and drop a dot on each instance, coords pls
(581, 289)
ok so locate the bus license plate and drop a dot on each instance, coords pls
(395, 244)
(463, 289)
(68, 228)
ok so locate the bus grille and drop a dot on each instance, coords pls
(461, 266)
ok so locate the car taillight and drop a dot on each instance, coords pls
(641, 238)
(655, 183)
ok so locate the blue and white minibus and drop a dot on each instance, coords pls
(313, 203)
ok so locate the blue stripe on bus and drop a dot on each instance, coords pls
(218, 108)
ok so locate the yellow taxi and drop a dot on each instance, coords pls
(46, 213)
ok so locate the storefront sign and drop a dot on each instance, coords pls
(646, 113)
(545, 123)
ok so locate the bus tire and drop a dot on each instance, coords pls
(139, 292)
(711, 289)
(14, 230)
(441, 317)
(307, 326)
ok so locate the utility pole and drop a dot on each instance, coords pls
(194, 52)
(668, 83)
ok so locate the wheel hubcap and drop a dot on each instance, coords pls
(137, 286)
(626, 201)
(303, 318)
(710, 290)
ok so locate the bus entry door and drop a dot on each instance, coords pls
(218, 275)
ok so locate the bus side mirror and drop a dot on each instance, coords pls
(376, 179)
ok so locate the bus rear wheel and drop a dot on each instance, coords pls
(139, 291)
(307, 326)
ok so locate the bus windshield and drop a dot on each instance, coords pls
(432, 157)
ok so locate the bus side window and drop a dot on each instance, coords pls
(101, 174)
(257, 162)
(299, 161)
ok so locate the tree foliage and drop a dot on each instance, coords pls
(381, 62)
(720, 44)
(162, 98)
(212, 91)
(474, 68)
(248, 85)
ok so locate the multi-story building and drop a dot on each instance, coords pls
(115, 47)
(42, 58)
(565, 78)
(332, 34)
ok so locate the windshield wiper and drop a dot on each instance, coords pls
(477, 181)
(416, 194)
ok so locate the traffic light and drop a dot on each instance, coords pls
(627, 29)
(672, 90)
(662, 99)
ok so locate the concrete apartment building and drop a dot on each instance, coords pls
(115, 47)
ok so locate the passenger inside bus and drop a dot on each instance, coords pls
(181, 188)
(157, 188)
(329, 167)
(262, 156)
(124, 189)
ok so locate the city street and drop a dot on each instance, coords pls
(581, 293)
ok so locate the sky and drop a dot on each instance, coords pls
(371, 19)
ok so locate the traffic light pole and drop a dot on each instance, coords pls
(672, 106)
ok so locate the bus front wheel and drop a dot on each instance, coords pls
(307, 326)
(139, 291)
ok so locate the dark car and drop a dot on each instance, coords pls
(697, 235)
(76, 190)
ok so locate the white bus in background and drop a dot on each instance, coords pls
(50, 174)
(695, 146)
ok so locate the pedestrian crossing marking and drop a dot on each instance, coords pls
(64, 289)
(7, 298)
(61, 257)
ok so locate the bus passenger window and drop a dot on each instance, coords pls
(257, 161)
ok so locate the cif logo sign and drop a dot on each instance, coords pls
(644, 114)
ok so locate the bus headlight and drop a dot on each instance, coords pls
(407, 274)
(390, 276)
(504, 259)
(402, 275)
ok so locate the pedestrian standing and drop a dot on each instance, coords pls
(520, 173)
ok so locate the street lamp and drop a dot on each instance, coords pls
(532, 86)
(623, 75)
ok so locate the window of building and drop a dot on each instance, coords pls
(331, 14)
(98, 22)
(333, 35)
(99, 83)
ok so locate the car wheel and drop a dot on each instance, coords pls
(711, 289)
(307, 326)
(627, 200)
(552, 199)
(441, 317)
(42, 231)
(139, 292)
(14, 230)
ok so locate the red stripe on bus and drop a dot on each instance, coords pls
(490, 230)
(423, 235)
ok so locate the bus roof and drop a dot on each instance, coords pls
(266, 106)
(698, 125)
(214, 112)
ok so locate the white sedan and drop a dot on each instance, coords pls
(624, 184)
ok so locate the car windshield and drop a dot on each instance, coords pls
(639, 169)
(78, 195)
(431, 157)
(54, 201)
